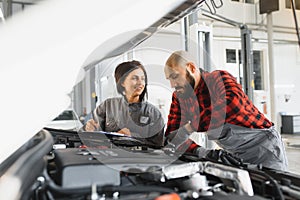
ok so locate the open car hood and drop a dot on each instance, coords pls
(45, 50)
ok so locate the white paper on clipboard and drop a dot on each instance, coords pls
(110, 133)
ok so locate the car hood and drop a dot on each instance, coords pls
(45, 50)
(64, 125)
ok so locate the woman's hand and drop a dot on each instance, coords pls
(91, 125)
(125, 131)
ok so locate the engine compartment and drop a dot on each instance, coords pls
(148, 175)
(96, 167)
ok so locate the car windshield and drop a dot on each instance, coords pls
(66, 115)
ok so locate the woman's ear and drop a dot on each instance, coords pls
(122, 87)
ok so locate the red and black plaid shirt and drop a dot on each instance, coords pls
(218, 99)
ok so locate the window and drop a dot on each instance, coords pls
(289, 5)
(257, 69)
(230, 56)
(245, 1)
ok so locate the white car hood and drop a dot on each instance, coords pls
(64, 124)
(44, 48)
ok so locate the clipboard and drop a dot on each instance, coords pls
(110, 133)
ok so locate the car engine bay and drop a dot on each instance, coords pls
(93, 166)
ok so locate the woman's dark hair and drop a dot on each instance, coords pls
(122, 71)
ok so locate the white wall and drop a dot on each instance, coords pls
(153, 53)
(287, 73)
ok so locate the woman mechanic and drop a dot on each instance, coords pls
(129, 114)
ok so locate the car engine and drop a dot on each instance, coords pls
(99, 167)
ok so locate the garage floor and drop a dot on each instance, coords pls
(292, 145)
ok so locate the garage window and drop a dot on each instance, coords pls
(289, 5)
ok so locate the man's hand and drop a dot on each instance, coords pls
(125, 131)
(223, 156)
(91, 125)
(188, 127)
(218, 155)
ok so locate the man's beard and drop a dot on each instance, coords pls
(188, 88)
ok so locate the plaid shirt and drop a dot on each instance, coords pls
(218, 99)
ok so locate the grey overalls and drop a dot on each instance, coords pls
(256, 146)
